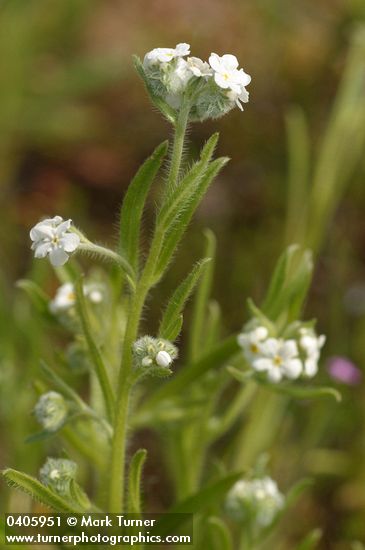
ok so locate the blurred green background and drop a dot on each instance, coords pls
(75, 123)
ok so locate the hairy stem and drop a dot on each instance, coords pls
(118, 451)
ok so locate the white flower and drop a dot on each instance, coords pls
(226, 73)
(198, 67)
(279, 359)
(311, 344)
(164, 55)
(179, 77)
(51, 411)
(65, 297)
(243, 97)
(163, 359)
(252, 341)
(52, 237)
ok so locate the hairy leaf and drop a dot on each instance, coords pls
(134, 482)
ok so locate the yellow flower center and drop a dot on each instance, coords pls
(278, 360)
(254, 348)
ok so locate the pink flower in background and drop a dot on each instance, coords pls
(343, 370)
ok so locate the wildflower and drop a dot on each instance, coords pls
(311, 344)
(252, 341)
(165, 55)
(257, 500)
(154, 353)
(226, 72)
(279, 359)
(51, 411)
(198, 67)
(65, 297)
(57, 473)
(53, 237)
(343, 370)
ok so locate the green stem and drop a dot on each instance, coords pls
(118, 451)
(107, 254)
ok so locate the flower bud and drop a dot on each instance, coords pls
(51, 411)
(257, 501)
(154, 355)
(57, 473)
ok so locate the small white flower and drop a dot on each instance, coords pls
(198, 67)
(165, 55)
(163, 359)
(252, 341)
(64, 299)
(51, 411)
(243, 97)
(311, 344)
(52, 237)
(226, 73)
(280, 359)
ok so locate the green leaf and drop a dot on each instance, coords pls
(172, 314)
(311, 540)
(134, 483)
(210, 495)
(296, 491)
(161, 105)
(38, 298)
(78, 495)
(100, 368)
(278, 278)
(133, 204)
(219, 534)
(240, 375)
(173, 236)
(38, 491)
(180, 195)
(256, 312)
(306, 392)
(199, 318)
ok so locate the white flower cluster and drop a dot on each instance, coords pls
(51, 411)
(57, 474)
(281, 358)
(257, 499)
(214, 87)
(65, 297)
(52, 237)
(151, 352)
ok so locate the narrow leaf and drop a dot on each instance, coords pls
(38, 298)
(174, 235)
(38, 491)
(100, 368)
(78, 495)
(199, 317)
(133, 204)
(240, 375)
(256, 312)
(278, 278)
(179, 298)
(134, 483)
(219, 534)
(306, 392)
(311, 540)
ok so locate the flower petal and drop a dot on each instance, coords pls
(69, 242)
(230, 61)
(41, 250)
(58, 257)
(64, 226)
(214, 62)
(293, 368)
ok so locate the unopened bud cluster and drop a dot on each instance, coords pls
(51, 411)
(256, 500)
(281, 358)
(154, 355)
(57, 474)
(212, 88)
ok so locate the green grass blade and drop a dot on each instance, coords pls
(133, 205)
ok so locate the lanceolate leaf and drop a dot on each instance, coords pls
(219, 534)
(133, 204)
(174, 235)
(39, 492)
(199, 318)
(134, 483)
(179, 298)
(39, 298)
(306, 392)
(311, 541)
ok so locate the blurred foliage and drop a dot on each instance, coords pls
(75, 124)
